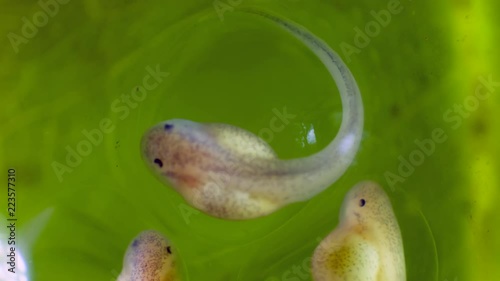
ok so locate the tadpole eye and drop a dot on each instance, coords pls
(158, 162)
(168, 127)
(169, 250)
(135, 243)
(362, 202)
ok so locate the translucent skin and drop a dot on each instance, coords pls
(366, 245)
(230, 173)
(149, 258)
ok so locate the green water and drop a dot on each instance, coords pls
(75, 219)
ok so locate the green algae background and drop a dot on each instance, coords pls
(77, 216)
